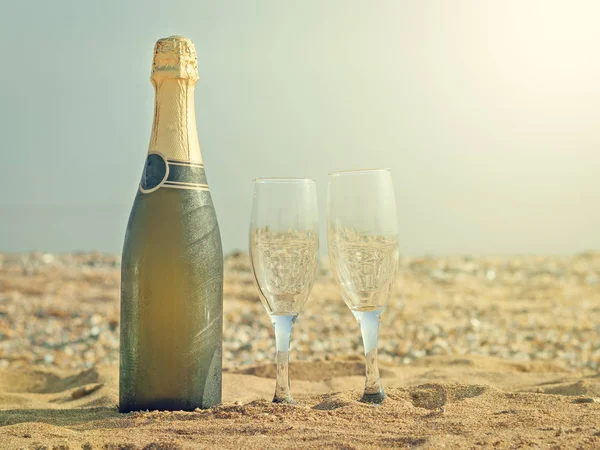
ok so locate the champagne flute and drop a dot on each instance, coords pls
(284, 247)
(362, 235)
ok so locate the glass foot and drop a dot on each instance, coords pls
(284, 400)
(376, 398)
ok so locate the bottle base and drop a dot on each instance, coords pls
(164, 405)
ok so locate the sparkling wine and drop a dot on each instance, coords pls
(172, 267)
(364, 266)
(284, 265)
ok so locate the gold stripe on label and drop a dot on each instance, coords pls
(186, 183)
(181, 162)
(199, 166)
(179, 186)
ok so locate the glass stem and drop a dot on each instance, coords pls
(369, 328)
(283, 333)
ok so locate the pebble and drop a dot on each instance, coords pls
(62, 310)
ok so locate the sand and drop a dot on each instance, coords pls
(475, 353)
(437, 402)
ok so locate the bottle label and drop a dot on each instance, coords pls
(172, 173)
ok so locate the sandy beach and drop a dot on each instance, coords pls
(499, 352)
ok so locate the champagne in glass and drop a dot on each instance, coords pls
(172, 267)
(284, 247)
(362, 238)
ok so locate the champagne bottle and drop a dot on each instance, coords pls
(172, 263)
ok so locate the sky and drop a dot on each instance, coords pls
(487, 113)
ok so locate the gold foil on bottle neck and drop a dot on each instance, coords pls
(175, 57)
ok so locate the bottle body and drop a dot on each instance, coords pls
(172, 271)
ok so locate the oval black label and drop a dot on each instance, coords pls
(155, 172)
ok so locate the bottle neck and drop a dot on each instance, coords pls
(174, 133)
